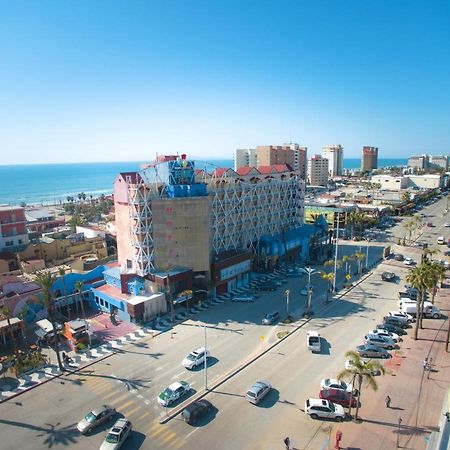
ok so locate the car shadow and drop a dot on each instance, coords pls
(206, 419)
(325, 347)
(134, 440)
(212, 361)
(272, 398)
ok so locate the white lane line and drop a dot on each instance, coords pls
(192, 432)
(192, 384)
(159, 368)
(178, 375)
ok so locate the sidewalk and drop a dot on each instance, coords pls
(417, 395)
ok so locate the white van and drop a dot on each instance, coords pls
(429, 310)
(313, 340)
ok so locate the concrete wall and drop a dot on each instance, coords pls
(389, 183)
(182, 232)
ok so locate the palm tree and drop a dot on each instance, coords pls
(329, 277)
(45, 280)
(79, 288)
(359, 258)
(420, 279)
(437, 273)
(361, 371)
(357, 220)
(62, 272)
(7, 314)
(409, 226)
(429, 252)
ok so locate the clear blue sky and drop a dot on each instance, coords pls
(121, 80)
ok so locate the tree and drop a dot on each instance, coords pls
(406, 197)
(62, 272)
(363, 372)
(329, 277)
(437, 274)
(359, 258)
(79, 288)
(419, 278)
(429, 252)
(409, 226)
(45, 280)
(356, 220)
(7, 314)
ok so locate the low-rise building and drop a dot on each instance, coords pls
(42, 220)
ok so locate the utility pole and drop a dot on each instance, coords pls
(286, 293)
(206, 362)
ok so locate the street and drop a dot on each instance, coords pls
(131, 379)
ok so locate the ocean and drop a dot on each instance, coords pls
(52, 183)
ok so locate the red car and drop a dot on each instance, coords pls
(338, 396)
(430, 224)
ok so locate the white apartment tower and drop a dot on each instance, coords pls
(245, 157)
(318, 171)
(335, 156)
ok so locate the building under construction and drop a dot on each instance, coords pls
(192, 227)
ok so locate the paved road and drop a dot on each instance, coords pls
(46, 416)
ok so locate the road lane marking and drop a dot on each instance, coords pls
(131, 412)
(192, 432)
(124, 405)
(143, 416)
(100, 387)
(178, 444)
(178, 375)
(159, 431)
(169, 438)
(159, 368)
(118, 399)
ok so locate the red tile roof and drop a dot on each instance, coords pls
(275, 168)
(245, 170)
(112, 292)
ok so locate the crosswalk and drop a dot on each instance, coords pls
(135, 408)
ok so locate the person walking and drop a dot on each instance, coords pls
(388, 401)
(425, 364)
(287, 443)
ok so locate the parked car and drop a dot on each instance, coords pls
(392, 328)
(405, 317)
(195, 358)
(196, 410)
(339, 397)
(333, 383)
(408, 262)
(388, 276)
(372, 351)
(324, 409)
(380, 341)
(398, 257)
(117, 435)
(430, 224)
(382, 332)
(267, 287)
(258, 391)
(395, 321)
(441, 240)
(271, 317)
(173, 393)
(95, 417)
(245, 298)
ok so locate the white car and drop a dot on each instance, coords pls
(173, 393)
(117, 435)
(404, 317)
(195, 358)
(382, 332)
(408, 262)
(332, 383)
(324, 409)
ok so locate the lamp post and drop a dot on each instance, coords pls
(309, 271)
(286, 293)
(367, 254)
(206, 362)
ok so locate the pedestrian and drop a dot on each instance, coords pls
(388, 401)
(425, 364)
(287, 443)
(447, 416)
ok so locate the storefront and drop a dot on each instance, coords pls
(230, 271)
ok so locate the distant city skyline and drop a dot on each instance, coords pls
(106, 81)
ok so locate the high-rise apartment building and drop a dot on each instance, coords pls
(369, 159)
(418, 162)
(300, 159)
(318, 171)
(269, 155)
(439, 161)
(335, 156)
(245, 157)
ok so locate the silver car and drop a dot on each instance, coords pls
(258, 391)
(117, 435)
(372, 351)
(380, 341)
(95, 417)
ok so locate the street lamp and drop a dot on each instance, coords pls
(309, 271)
(336, 253)
(206, 362)
(286, 293)
(367, 254)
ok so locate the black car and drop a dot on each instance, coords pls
(392, 328)
(398, 257)
(388, 276)
(267, 287)
(195, 411)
